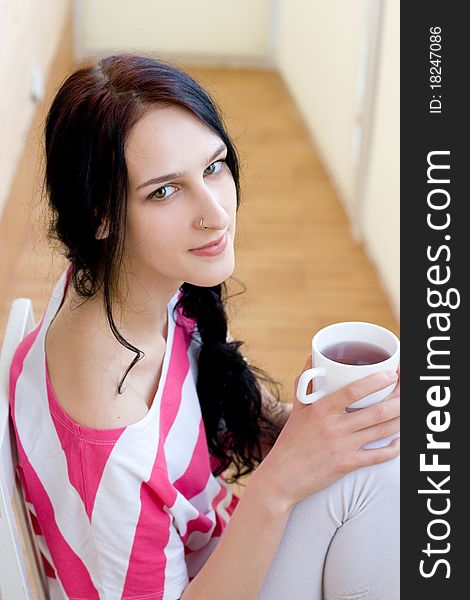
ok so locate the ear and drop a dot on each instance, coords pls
(103, 231)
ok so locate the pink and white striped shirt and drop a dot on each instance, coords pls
(126, 513)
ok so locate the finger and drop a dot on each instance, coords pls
(396, 389)
(383, 411)
(395, 392)
(377, 432)
(359, 389)
(374, 456)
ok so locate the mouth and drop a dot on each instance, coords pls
(211, 248)
(209, 244)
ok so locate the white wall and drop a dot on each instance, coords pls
(318, 57)
(380, 210)
(218, 29)
(29, 34)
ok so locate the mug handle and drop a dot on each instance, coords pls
(302, 386)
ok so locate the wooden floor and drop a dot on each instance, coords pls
(294, 249)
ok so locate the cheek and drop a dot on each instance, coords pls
(229, 197)
(151, 232)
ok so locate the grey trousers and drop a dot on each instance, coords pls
(342, 543)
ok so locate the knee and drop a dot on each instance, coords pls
(383, 477)
(373, 483)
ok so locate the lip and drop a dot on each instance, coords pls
(212, 248)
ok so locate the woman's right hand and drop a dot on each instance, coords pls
(321, 442)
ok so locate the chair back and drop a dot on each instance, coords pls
(22, 573)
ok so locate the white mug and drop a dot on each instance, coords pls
(330, 375)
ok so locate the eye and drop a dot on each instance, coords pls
(160, 194)
(157, 194)
(221, 164)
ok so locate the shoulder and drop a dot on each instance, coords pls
(84, 371)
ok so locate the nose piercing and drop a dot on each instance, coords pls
(201, 224)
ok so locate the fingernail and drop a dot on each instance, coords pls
(390, 376)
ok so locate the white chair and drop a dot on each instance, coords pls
(21, 570)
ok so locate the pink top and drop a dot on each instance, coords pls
(132, 512)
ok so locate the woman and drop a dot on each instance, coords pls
(122, 456)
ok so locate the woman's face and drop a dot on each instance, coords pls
(163, 217)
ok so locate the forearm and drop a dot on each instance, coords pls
(239, 563)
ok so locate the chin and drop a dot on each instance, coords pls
(212, 275)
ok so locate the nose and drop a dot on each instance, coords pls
(210, 209)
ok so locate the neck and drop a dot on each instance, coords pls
(139, 311)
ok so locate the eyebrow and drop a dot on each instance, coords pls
(178, 174)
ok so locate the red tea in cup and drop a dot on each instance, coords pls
(355, 353)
